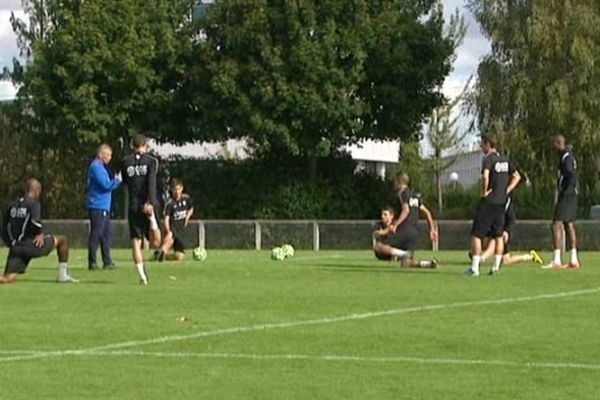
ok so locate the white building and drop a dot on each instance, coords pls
(468, 168)
(371, 156)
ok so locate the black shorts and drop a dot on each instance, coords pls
(405, 239)
(566, 208)
(21, 254)
(488, 221)
(139, 224)
(179, 243)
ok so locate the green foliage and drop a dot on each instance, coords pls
(542, 79)
(267, 189)
(292, 75)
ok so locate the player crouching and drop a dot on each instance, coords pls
(393, 246)
(178, 212)
(22, 232)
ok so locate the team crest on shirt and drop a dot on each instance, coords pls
(501, 167)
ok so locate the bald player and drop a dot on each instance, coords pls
(565, 211)
(22, 232)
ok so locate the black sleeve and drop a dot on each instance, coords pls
(36, 218)
(569, 170)
(152, 173)
(124, 171)
(190, 203)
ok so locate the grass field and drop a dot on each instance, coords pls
(328, 325)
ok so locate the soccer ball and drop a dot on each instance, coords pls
(288, 250)
(277, 254)
(200, 254)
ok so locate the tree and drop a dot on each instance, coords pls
(96, 70)
(445, 138)
(306, 77)
(542, 79)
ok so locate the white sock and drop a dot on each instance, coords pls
(153, 222)
(557, 259)
(141, 272)
(425, 264)
(574, 258)
(399, 253)
(497, 263)
(63, 271)
(475, 263)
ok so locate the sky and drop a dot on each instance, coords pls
(474, 47)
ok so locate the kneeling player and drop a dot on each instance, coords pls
(22, 232)
(510, 220)
(393, 246)
(178, 211)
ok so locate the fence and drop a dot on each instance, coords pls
(325, 235)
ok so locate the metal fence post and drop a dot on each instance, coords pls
(257, 235)
(201, 234)
(316, 237)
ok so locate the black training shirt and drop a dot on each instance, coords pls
(567, 173)
(22, 220)
(499, 177)
(177, 212)
(139, 174)
(414, 205)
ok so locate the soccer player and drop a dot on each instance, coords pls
(139, 175)
(510, 220)
(498, 179)
(396, 237)
(565, 211)
(22, 232)
(178, 212)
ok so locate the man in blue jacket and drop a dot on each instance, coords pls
(100, 185)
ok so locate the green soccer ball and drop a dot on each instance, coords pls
(200, 254)
(277, 254)
(288, 250)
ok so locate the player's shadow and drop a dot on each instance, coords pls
(85, 282)
(369, 269)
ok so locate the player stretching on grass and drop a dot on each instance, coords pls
(22, 233)
(178, 211)
(510, 220)
(565, 212)
(139, 175)
(498, 179)
(395, 236)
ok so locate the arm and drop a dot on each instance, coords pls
(403, 215)
(515, 179)
(485, 181)
(167, 224)
(100, 177)
(36, 223)
(152, 172)
(189, 216)
(433, 233)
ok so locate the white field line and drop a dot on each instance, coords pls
(350, 358)
(292, 324)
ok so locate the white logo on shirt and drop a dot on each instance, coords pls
(501, 167)
(139, 170)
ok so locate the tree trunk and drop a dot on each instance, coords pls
(312, 167)
(438, 183)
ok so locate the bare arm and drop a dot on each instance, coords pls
(189, 216)
(485, 181)
(514, 181)
(403, 215)
(433, 232)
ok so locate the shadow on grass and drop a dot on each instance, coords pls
(366, 268)
(81, 282)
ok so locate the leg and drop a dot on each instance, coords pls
(96, 229)
(106, 241)
(10, 277)
(557, 239)
(386, 250)
(168, 243)
(489, 250)
(177, 256)
(138, 258)
(61, 244)
(509, 259)
(570, 229)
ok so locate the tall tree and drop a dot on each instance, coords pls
(542, 79)
(306, 76)
(446, 136)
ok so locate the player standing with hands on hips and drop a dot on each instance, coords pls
(498, 179)
(565, 211)
(139, 175)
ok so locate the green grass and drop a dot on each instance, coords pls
(244, 289)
